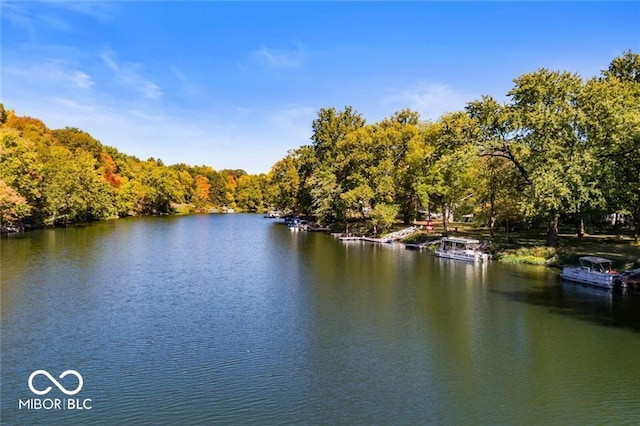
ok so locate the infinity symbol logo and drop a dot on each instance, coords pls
(55, 382)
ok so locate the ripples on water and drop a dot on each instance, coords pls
(233, 319)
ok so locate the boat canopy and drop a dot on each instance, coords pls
(595, 260)
(460, 240)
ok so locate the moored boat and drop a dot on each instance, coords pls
(593, 270)
(461, 249)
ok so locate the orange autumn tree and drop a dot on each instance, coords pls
(109, 167)
(202, 187)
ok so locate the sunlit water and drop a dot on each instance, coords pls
(233, 319)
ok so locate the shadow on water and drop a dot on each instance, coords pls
(611, 308)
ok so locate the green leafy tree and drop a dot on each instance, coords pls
(75, 139)
(499, 183)
(249, 195)
(330, 127)
(327, 204)
(557, 161)
(352, 167)
(383, 216)
(21, 169)
(625, 68)
(3, 114)
(539, 133)
(307, 163)
(402, 142)
(127, 197)
(161, 188)
(453, 174)
(284, 183)
(74, 189)
(611, 107)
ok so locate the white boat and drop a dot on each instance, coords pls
(461, 249)
(593, 270)
(296, 224)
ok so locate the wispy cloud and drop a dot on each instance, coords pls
(80, 79)
(293, 121)
(18, 16)
(186, 85)
(431, 100)
(129, 75)
(53, 15)
(50, 71)
(99, 10)
(73, 105)
(280, 58)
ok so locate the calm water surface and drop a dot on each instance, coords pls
(233, 319)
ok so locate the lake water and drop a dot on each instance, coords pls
(233, 319)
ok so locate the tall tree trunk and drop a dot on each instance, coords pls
(492, 213)
(636, 234)
(581, 228)
(552, 233)
(445, 218)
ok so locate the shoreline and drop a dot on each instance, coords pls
(517, 247)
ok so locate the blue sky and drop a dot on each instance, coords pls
(237, 84)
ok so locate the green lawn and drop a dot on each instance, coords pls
(528, 246)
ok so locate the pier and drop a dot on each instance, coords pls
(386, 239)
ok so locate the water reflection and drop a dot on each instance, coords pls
(462, 271)
(612, 308)
(234, 319)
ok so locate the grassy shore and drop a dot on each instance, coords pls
(529, 246)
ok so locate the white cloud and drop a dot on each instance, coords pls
(52, 15)
(220, 137)
(187, 86)
(430, 100)
(110, 62)
(98, 10)
(150, 90)
(82, 80)
(293, 122)
(129, 76)
(16, 15)
(51, 72)
(72, 104)
(205, 138)
(277, 58)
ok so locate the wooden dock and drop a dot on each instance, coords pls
(385, 239)
(377, 240)
(350, 238)
(367, 239)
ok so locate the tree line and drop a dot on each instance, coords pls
(560, 149)
(57, 177)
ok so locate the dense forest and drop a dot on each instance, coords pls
(56, 177)
(559, 150)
